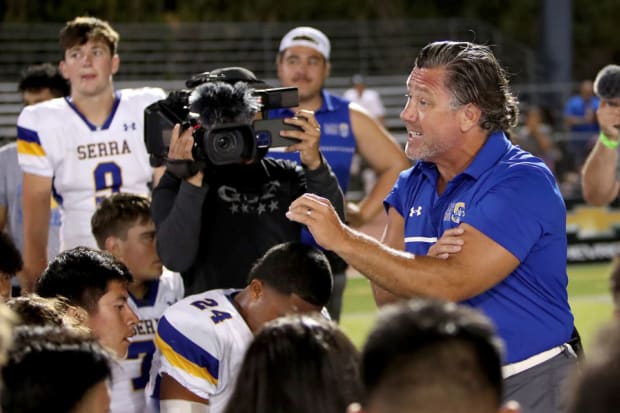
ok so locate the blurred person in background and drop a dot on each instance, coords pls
(581, 123)
(10, 264)
(614, 285)
(600, 177)
(370, 100)
(37, 83)
(534, 136)
(367, 98)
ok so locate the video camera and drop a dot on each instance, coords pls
(220, 106)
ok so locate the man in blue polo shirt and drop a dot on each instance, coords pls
(303, 61)
(495, 209)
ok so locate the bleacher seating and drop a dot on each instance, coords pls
(391, 89)
(173, 51)
(166, 54)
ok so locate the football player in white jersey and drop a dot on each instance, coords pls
(96, 282)
(122, 226)
(81, 147)
(201, 340)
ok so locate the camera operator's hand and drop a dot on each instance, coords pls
(309, 138)
(181, 149)
(608, 116)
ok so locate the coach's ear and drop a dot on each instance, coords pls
(355, 408)
(469, 116)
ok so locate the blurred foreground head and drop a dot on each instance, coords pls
(430, 356)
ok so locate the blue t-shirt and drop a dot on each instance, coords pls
(576, 106)
(512, 197)
(337, 140)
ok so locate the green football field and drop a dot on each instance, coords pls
(588, 292)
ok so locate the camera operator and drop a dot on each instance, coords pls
(214, 223)
(600, 176)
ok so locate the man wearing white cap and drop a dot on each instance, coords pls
(303, 61)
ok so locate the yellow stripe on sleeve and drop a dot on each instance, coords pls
(182, 363)
(29, 148)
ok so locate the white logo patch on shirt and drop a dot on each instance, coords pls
(417, 211)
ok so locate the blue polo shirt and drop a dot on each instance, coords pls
(337, 140)
(510, 196)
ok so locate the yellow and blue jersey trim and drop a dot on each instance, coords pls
(184, 354)
(28, 142)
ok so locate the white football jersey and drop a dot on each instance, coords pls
(86, 162)
(201, 342)
(131, 375)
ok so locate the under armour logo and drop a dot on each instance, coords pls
(414, 210)
(128, 126)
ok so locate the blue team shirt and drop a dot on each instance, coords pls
(337, 140)
(576, 106)
(511, 197)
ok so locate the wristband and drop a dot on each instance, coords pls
(608, 142)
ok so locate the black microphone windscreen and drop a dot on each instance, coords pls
(607, 82)
(220, 102)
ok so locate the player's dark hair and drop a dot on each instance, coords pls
(45, 75)
(300, 364)
(82, 29)
(596, 387)
(82, 275)
(33, 309)
(296, 268)
(51, 369)
(116, 214)
(431, 356)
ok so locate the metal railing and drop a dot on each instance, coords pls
(174, 51)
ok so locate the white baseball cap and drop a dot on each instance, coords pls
(308, 37)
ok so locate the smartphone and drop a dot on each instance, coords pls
(267, 133)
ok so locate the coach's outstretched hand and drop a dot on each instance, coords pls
(320, 217)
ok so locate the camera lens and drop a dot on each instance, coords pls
(224, 142)
(229, 144)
